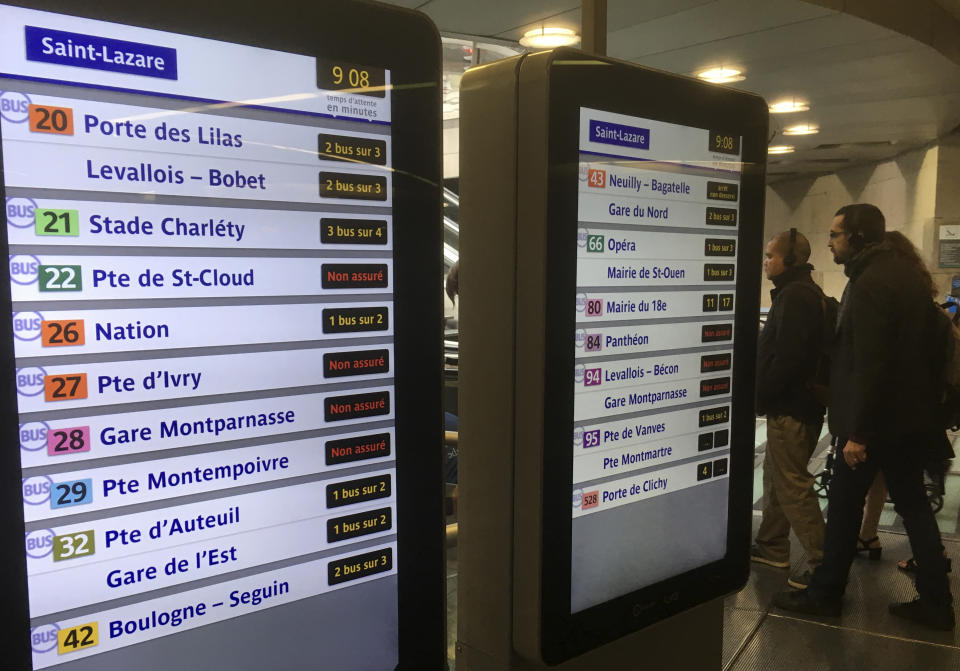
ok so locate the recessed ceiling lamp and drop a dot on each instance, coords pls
(801, 129)
(722, 75)
(546, 37)
(780, 149)
(787, 106)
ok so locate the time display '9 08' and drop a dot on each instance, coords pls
(340, 76)
(725, 143)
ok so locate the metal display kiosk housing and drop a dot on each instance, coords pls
(519, 158)
(407, 43)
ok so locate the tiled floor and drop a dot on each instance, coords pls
(866, 636)
(758, 638)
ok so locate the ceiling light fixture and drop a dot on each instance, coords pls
(787, 106)
(546, 37)
(721, 75)
(780, 149)
(802, 129)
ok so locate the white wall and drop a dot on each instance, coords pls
(905, 190)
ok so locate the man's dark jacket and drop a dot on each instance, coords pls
(882, 381)
(789, 347)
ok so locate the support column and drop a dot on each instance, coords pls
(593, 24)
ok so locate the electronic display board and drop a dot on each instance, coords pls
(656, 295)
(223, 237)
(642, 193)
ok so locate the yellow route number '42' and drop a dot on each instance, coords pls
(77, 638)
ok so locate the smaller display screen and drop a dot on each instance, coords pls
(657, 241)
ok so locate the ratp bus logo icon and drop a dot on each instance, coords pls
(39, 543)
(579, 338)
(581, 302)
(26, 325)
(33, 436)
(578, 372)
(30, 381)
(44, 638)
(20, 212)
(582, 234)
(24, 269)
(36, 490)
(14, 106)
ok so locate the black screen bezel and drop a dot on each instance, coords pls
(408, 44)
(574, 81)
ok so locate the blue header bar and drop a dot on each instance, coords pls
(100, 53)
(614, 133)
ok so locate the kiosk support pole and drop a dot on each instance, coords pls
(593, 22)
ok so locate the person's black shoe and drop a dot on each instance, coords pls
(923, 612)
(799, 601)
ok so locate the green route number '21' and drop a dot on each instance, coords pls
(56, 222)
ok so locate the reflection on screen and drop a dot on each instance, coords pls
(658, 213)
(202, 281)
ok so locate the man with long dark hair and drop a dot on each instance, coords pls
(883, 403)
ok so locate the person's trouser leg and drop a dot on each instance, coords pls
(848, 489)
(904, 475)
(773, 536)
(790, 443)
(876, 497)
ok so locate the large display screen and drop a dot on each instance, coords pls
(202, 281)
(658, 210)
